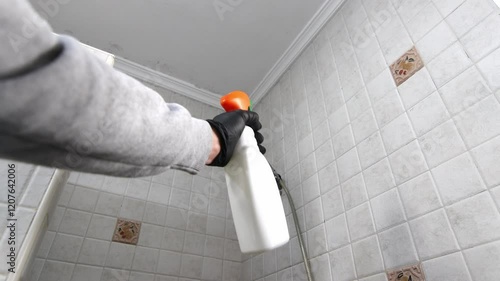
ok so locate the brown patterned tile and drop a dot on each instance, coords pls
(406, 66)
(411, 273)
(127, 231)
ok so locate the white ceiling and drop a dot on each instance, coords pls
(216, 45)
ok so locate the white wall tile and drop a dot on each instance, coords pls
(483, 261)
(328, 177)
(397, 133)
(75, 222)
(316, 241)
(132, 209)
(324, 155)
(214, 247)
(308, 166)
(458, 179)
(358, 104)
(83, 199)
(54, 270)
(441, 144)
(110, 274)
(464, 91)
(397, 247)
(436, 41)
(364, 126)
(488, 67)
(469, 15)
(479, 122)
(115, 185)
(306, 146)
(159, 193)
(120, 256)
(378, 277)
(155, 213)
(354, 191)
(424, 21)
(336, 232)
(475, 220)
(212, 269)
(150, 235)
(310, 188)
(314, 213)
(169, 263)
(378, 178)
(446, 7)
(388, 108)
(65, 248)
(447, 267)
(448, 64)
(194, 243)
(85, 272)
(101, 227)
(348, 165)
(322, 264)
(138, 188)
(433, 235)
(343, 141)
(486, 157)
(342, 264)
(407, 162)
(139, 276)
(94, 252)
(371, 150)
(109, 204)
(428, 113)
(332, 203)
(145, 259)
(419, 196)
(283, 257)
(380, 86)
(479, 42)
(367, 256)
(269, 262)
(90, 180)
(360, 222)
(173, 239)
(496, 195)
(180, 198)
(387, 214)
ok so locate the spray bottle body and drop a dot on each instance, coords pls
(256, 205)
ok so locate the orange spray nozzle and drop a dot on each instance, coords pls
(236, 100)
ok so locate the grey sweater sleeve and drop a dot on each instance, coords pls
(78, 113)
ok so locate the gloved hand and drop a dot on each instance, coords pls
(229, 126)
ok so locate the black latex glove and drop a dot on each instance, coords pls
(229, 126)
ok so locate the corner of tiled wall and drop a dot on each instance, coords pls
(387, 176)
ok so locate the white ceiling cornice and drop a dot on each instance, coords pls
(313, 27)
(320, 18)
(166, 81)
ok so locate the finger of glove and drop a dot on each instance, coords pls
(251, 119)
(262, 149)
(259, 137)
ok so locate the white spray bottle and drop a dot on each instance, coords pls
(256, 205)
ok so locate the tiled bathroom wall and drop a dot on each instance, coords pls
(186, 233)
(387, 176)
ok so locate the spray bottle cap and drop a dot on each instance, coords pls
(236, 100)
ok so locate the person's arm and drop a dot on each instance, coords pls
(73, 111)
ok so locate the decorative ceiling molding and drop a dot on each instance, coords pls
(320, 18)
(166, 81)
(313, 27)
